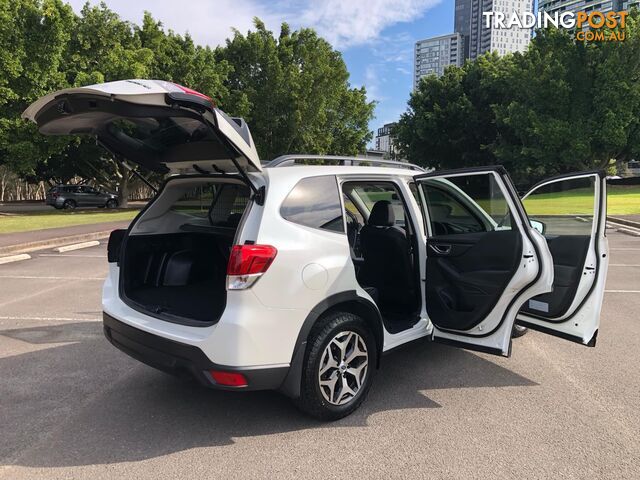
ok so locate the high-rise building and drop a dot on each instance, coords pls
(553, 6)
(433, 55)
(480, 39)
(384, 140)
(462, 23)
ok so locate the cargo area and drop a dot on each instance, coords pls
(175, 257)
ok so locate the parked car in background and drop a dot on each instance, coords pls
(72, 196)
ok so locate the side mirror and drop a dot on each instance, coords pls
(538, 225)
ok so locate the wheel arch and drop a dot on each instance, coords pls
(348, 301)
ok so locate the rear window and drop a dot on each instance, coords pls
(315, 202)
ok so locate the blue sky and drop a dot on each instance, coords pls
(376, 37)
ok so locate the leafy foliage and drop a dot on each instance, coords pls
(294, 93)
(293, 89)
(562, 106)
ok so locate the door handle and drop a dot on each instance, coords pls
(441, 249)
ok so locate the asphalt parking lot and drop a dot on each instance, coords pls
(72, 406)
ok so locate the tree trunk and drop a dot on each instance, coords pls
(123, 187)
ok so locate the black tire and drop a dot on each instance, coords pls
(69, 205)
(312, 400)
(112, 203)
(518, 331)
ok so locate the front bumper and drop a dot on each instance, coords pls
(180, 359)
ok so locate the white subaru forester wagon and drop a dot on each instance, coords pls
(298, 274)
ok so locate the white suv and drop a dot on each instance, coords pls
(298, 274)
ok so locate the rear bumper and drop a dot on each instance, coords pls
(179, 358)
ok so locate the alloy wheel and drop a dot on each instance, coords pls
(343, 367)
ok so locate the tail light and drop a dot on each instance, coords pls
(247, 263)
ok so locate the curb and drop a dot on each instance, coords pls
(53, 242)
(629, 231)
(623, 221)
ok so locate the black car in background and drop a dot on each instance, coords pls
(72, 196)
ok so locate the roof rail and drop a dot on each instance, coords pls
(288, 160)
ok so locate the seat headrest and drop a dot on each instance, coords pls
(382, 214)
(439, 212)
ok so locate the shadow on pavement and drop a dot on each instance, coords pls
(79, 401)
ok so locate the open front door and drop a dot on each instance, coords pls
(570, 211)
(484, 260)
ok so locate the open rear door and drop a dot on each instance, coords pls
(484, 260)
(570, 211)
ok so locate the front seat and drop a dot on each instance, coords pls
(387, 260)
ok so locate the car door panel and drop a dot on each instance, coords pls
(467, 282)
(483, 259)
(572, 309)
(569, 252)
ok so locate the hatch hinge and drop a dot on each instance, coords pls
(258, 193)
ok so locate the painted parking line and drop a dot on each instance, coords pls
(70, 255)
(624, 265)
(76, 246)
(622, 291)
(14, 258)
(625, 249)
(50, 319)
(36, 277)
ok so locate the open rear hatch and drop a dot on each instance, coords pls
(173, 258)
(160, 125)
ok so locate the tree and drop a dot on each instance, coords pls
(451, 122)
(561, 106)
(294, 92)
(178, 59)
(33, 39)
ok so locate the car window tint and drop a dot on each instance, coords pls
(352, 211)
(315, 202)
(223, 204)
(196, 200)
(371, 192)
(466, 204)
(565, 207)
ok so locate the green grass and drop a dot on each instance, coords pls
(56, 219)
(621, 200)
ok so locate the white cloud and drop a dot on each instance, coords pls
(347, 23)
(208, 22)
(344, 23)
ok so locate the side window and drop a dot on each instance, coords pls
(196, 200)
(564, 207)
(229, 203)
(367, 194)
(223, 204)
(466, 204)
(353, 214)
(315, 202)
